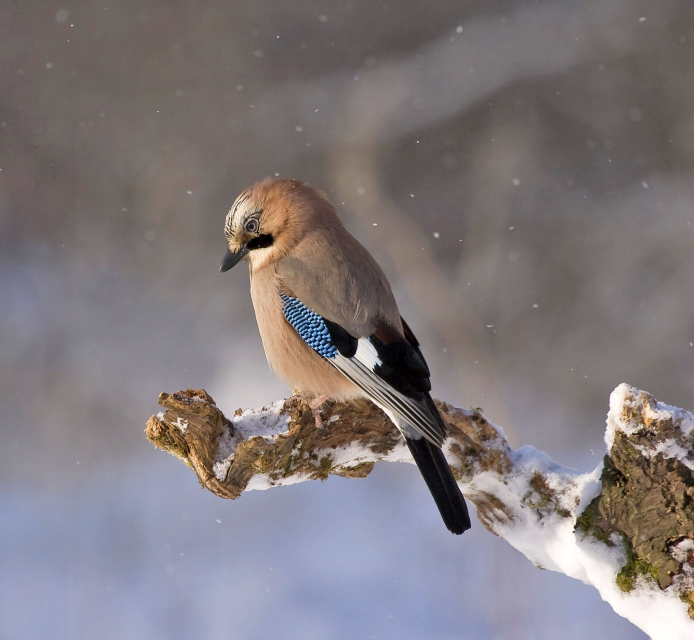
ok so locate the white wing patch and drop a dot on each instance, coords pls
(411, 417)
(367, 354)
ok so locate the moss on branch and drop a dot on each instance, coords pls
(645, 502)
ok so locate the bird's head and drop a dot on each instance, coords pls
(269, 219)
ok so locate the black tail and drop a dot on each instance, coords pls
(439, 478)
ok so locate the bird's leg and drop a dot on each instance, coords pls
(315, 404)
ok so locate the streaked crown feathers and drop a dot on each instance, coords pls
(231, 218)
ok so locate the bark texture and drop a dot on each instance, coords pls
(647, 495)
(645, 499)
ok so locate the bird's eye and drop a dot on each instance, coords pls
(251, 225)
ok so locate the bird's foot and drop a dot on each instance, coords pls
(315, 405)
(320, 425)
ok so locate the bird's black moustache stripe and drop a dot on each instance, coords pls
(260, 242)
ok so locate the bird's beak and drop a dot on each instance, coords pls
(232, 258)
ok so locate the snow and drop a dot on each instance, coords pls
(550, 541)
(267, 423)
(529, 498)
(670, 449)
(682, 549)
(181, 424)
(351, 455)
(354, 454)
(554, 545)
(262, 481)
(617, 421)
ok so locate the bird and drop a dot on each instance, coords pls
(330, 325)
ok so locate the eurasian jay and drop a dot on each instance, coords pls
(329, 322)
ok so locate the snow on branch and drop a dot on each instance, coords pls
(627, 527)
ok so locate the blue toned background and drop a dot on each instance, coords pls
(522, 171)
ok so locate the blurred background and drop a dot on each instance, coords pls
(523, 171)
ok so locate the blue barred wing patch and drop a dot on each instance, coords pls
(309, 325)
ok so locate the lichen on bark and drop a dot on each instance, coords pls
(645, 503)
(647, 497)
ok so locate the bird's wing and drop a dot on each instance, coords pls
(338, 279)
(386, 366)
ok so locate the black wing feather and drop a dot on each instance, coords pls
(401, 365)
(345, 343)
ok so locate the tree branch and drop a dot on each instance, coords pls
(627, 527)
